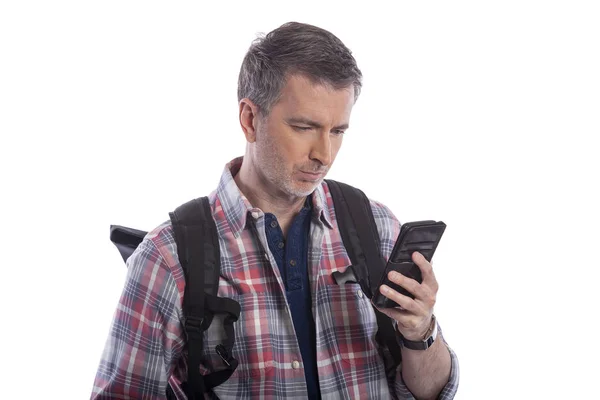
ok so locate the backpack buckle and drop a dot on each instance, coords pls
(194, 324)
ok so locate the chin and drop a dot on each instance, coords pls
(303, 189)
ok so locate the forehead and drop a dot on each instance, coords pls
(300, 95)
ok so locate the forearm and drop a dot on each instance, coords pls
(426, 372)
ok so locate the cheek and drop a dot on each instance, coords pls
(293, 147)
(335, 147)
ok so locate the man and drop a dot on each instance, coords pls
(299, 335)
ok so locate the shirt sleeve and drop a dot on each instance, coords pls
(145, 339)
(388, 228)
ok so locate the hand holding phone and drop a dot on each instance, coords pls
(421, 236)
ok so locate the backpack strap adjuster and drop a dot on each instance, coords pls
(194, 325)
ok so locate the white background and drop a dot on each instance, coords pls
(482, 114)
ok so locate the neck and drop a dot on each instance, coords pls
(267, 198)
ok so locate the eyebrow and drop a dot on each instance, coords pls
(314, 124)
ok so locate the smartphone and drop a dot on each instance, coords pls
(421, 236)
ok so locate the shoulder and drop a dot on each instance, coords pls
(158, 255)
(159, 243)
(162, 240)
(388, 226)
(156, 258)
(383, 213)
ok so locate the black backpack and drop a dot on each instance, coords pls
(193, 223)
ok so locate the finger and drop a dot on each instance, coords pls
(426, 270)
(395, 313)
(421, 292)
(406, 321)
(403, 301)
(411, 285)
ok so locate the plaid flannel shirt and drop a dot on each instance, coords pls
(145, 348)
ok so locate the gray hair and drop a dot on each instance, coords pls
(295, 48)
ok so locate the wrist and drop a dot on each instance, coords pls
(419, 341)
(422, 333)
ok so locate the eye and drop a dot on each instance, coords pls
(338, 132)
(302, 128)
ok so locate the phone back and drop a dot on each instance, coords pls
(421, 236)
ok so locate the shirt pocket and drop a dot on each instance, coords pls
(353, 323)
(254, 338)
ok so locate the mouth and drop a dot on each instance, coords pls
(311, 176)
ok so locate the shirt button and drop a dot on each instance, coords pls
(292, 263)
(360, 294)
(295, 364)
(281, 245)
(255, 214)
(273, 224)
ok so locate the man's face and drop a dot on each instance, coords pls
(298, 141)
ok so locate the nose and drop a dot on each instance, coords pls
(321, 149)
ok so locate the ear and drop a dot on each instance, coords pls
(248, 119)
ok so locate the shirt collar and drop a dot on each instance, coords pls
(322, 205)
(236, 208)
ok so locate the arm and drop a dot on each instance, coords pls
(438, 363)
(145, 338)
(404, 381)
(423, 374)
(433, 363)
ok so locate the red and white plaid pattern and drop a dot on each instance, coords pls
(144, 350)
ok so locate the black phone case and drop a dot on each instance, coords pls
(421, 236)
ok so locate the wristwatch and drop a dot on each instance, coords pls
(424, 344)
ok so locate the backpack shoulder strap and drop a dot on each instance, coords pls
(198, 250)
(361, 240)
